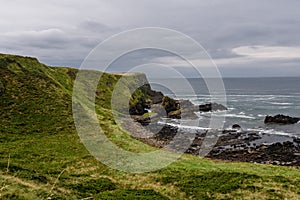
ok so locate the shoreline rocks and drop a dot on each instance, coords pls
(233, 145)
(281, 119)
(236, 127)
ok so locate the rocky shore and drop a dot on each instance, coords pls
(233, 145)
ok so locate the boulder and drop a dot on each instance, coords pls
(186, 104)
(281, 119)
(170, 104)
(211, 107)
(236, 126)
(139, 107)
(156, 97)
(175, 114)
(143, 120)
(188, 109)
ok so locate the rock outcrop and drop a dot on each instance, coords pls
(170, 104)
(212, 107)
(236, 126)
(156, 97)
(281, 119)
(177, 109)
(143, 98)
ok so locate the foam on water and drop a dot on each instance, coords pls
(270, 131)
(281, 103)
(260, 115)
(249, 101)
(183, 126)
(237, 116)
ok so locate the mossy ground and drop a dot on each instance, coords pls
(46, 159)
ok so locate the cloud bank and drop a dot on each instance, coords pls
(245, 38)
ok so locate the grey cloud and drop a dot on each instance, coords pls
(63, 32)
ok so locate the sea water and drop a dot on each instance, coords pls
(248, 101)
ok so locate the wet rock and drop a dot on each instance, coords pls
(188, 109)
(236, 126)
(156, 97)
(143, 120)
(172, 107)
(139, 108)
(166, 134)
(296, 140)
(175, 114)
(281, 119)
(211, 107)
(186, 104)
(170, 104)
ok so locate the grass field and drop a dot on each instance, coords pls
(42, 157)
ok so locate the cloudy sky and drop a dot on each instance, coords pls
(244, 38)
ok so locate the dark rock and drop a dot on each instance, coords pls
(236, 126)
(143, 120)
(142, 98)
(212, 107)
(170, 104)
(296, 140)
(188, 109)
(175, 114)
(156, 97)
(281, 119)
(186, 104)
(139, 108)
(166, 134)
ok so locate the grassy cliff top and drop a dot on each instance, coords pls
(42, 157)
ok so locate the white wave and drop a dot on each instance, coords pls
(280, 103)
(183, 126)
(199, 115)
(283, 107)
(211, 112)
(260, 115)
(270, 131)
(258, 96)
(237, 116)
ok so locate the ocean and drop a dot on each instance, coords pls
(249, 100)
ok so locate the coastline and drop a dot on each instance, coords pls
(232, 145)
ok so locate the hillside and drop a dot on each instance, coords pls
(42, 156)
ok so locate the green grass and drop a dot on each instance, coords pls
(48, 160)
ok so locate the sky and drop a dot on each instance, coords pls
(257, 38)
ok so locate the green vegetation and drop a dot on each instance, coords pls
(42, 157)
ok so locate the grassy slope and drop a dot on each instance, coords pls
(47, 158)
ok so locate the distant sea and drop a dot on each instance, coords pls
(249, 100)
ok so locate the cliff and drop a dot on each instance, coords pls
(42, 157)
